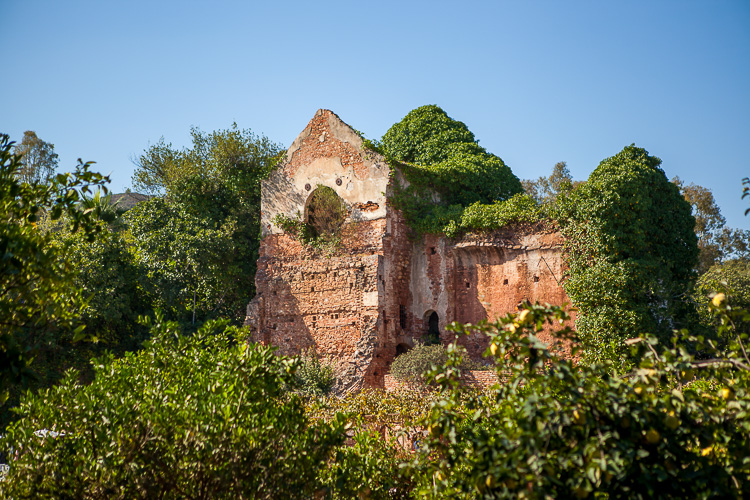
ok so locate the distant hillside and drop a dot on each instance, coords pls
(126, 201)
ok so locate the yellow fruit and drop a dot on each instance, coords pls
(719, 299)
(493, 348)
(706, 451)
(653, 436)
(490, 481)
(439, 476)
(523, 316)
(672, 422)
(578, 419)
(638, 390)
(726, 394)
(687, 375)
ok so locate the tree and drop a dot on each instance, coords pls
(438, 155)
(546, 189)
(632, 252)
(673, 427)
(233, 153)
(38, 159)
(200, 416)
(37, 291)
(716, 242)
(200, 241)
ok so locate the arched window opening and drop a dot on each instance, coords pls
(325, 213)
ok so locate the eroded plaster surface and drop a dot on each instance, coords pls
(371, 299)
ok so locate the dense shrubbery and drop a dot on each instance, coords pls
(554, 429)
(205, 416)
(631, 251)
(202, 416)
(411, 366)
(445, 167)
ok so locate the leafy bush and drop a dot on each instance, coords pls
(445, 167)
(631, 250)
(555, 429)
(204, 416)
(412, 365)
(313, 378)
(326, 212)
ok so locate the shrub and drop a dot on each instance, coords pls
(411, 366)
(555, 429)
(313, 378)
(204, 416)
(446, 169)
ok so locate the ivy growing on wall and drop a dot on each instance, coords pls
(631, 251)
(445, 169)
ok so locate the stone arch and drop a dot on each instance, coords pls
(431, 327)
(325, 212)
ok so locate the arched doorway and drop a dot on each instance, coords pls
(432, 335)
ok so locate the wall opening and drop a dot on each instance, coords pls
(432, 334)
(325, 213)
(402, 316)
(402, 348)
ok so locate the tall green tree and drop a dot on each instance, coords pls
(716, 242)
(38, 159)
(632, 252)
(37, 293)
(547, 189)
(198, 244)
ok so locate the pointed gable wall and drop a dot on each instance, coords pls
(329, 153)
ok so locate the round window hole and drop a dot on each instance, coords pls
(338, 182)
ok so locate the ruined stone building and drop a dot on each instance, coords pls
(383, 289)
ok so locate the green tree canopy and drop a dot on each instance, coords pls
(440, 156)
(201, 239)
(37, 292)
(631, 249)
(234, 155)
(716, 242)
(38, 159)
(547, 189)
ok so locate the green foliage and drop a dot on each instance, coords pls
(411, 366)
(445, 169)
(200, 242)
(547, 189)
(37, 292)
(631, 251)
(368, 468)
(732, 279)
(326, 212)
(313, 377)
(189, 258)
(716, 242)
(323, 227)
(38, 159)
(202, 416)
(519, 209)
(556, 430)
(233, 153)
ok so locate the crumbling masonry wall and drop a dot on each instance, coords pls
(372, 298)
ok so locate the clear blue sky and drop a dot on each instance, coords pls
(536, 81)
